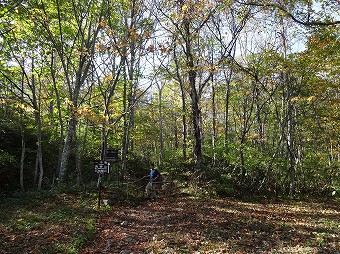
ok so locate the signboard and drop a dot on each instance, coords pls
(101, 167)
(112, 154)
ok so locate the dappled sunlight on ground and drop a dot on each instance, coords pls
(186, 225)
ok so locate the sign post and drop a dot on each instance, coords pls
(111, 154)
(100, 168)
(103, 166)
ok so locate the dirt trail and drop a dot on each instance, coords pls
(189, 225)
(135, 229)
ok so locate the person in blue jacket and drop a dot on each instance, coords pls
(154, 183)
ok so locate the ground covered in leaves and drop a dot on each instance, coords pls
(183, 224)
(196, 225)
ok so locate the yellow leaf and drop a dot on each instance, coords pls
(184, 8)
(311, 98)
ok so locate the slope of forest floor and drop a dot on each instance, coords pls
(183, 224)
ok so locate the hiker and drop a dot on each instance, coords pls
(154, 183)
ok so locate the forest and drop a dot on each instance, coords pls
(236, 102)
(236, 96)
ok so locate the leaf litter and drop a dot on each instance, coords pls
(191, 225)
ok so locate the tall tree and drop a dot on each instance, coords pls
(77, 37)
(137, 27)
(27, 90)
(188, 19)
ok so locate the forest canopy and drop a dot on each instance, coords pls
(241, 95)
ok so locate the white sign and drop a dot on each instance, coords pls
(101, 167)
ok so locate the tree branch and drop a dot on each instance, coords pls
(294, 18)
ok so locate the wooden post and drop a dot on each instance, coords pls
(99, 189)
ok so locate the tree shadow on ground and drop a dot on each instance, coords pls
(187, 225)
(45, 224)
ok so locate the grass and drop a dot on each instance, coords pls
(45, 222)
(52, 222)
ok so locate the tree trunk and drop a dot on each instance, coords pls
(39, 151)
(125, 141)
(129, 83)
(23, 144)
(78, 160)
(103, 143)
(175, 130)
(260, 129)
(196, 123)
(196, 113)
(87, 35)
(61, 123)
(23, 150)
(161, 143)
(36, 106)
(227, 97)
(66, 149)
(213, 134)
(290, 142)
(184, 107)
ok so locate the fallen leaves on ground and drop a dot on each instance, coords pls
(196, 225)
(182, 224)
